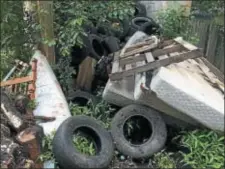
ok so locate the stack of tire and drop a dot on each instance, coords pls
(68, 156)
(105, 38)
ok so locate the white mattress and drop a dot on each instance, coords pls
(127, 91)
(187, 91)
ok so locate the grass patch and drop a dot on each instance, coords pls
(101, 111)
(206, 149)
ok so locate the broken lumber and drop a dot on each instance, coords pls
(9, 110)
(86, 74)
(31, 140)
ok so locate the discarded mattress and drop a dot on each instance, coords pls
(49, 97)
(183, 87)
(127, 91)
(121, 93)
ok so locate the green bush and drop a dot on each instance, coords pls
(206, 149)
(70, 16)
(47, 154)
(175, 23)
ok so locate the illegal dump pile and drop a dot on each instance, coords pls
(161, 104)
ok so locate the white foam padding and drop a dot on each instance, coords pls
(191, 94)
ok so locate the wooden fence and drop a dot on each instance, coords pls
(211, 40)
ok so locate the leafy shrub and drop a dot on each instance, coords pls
(175, 23)
(206, 149)
(64, 73)
(17, 37)
(47, 154)
(70, 17)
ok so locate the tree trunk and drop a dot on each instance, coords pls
(45, 17)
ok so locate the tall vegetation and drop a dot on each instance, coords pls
(72, 16)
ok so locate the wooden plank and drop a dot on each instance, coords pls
(175, 48)
(16, 81)
(221, 54)
(162, 57)
(218, 58)
(128, 67)
(185, 43)
(156, 64)
(149, 57)
(212, 43)
(166, 43)
(140, 50)
(131, 60)
(86, 74)
(137, 45)
(115, 66)
(213, 69)
(204, 26)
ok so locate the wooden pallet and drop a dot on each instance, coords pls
(153, 54)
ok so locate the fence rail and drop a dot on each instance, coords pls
(211, 40)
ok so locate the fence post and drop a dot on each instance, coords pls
(45, 15)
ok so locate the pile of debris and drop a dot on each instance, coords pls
(156, 82)
(20, 136)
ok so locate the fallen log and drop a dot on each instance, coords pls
(13, 116)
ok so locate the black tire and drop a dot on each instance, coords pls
(108, 30)
(66, 154)
(81, 97)
(101, 30)
(90, 29)
(125, 26)
(140, 10)
(95, 49)
(111, 44)
(138, 22)
(78, 53)
(150, 28)
(156, 141)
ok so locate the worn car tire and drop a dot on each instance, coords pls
(78, 53)
(111, 44)
(138, 22)
(156, 141)
(140, 10)
(90, 29)
(83, 96)
(125, 26)
(95, 49)
(68, 156)
(151, 28)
